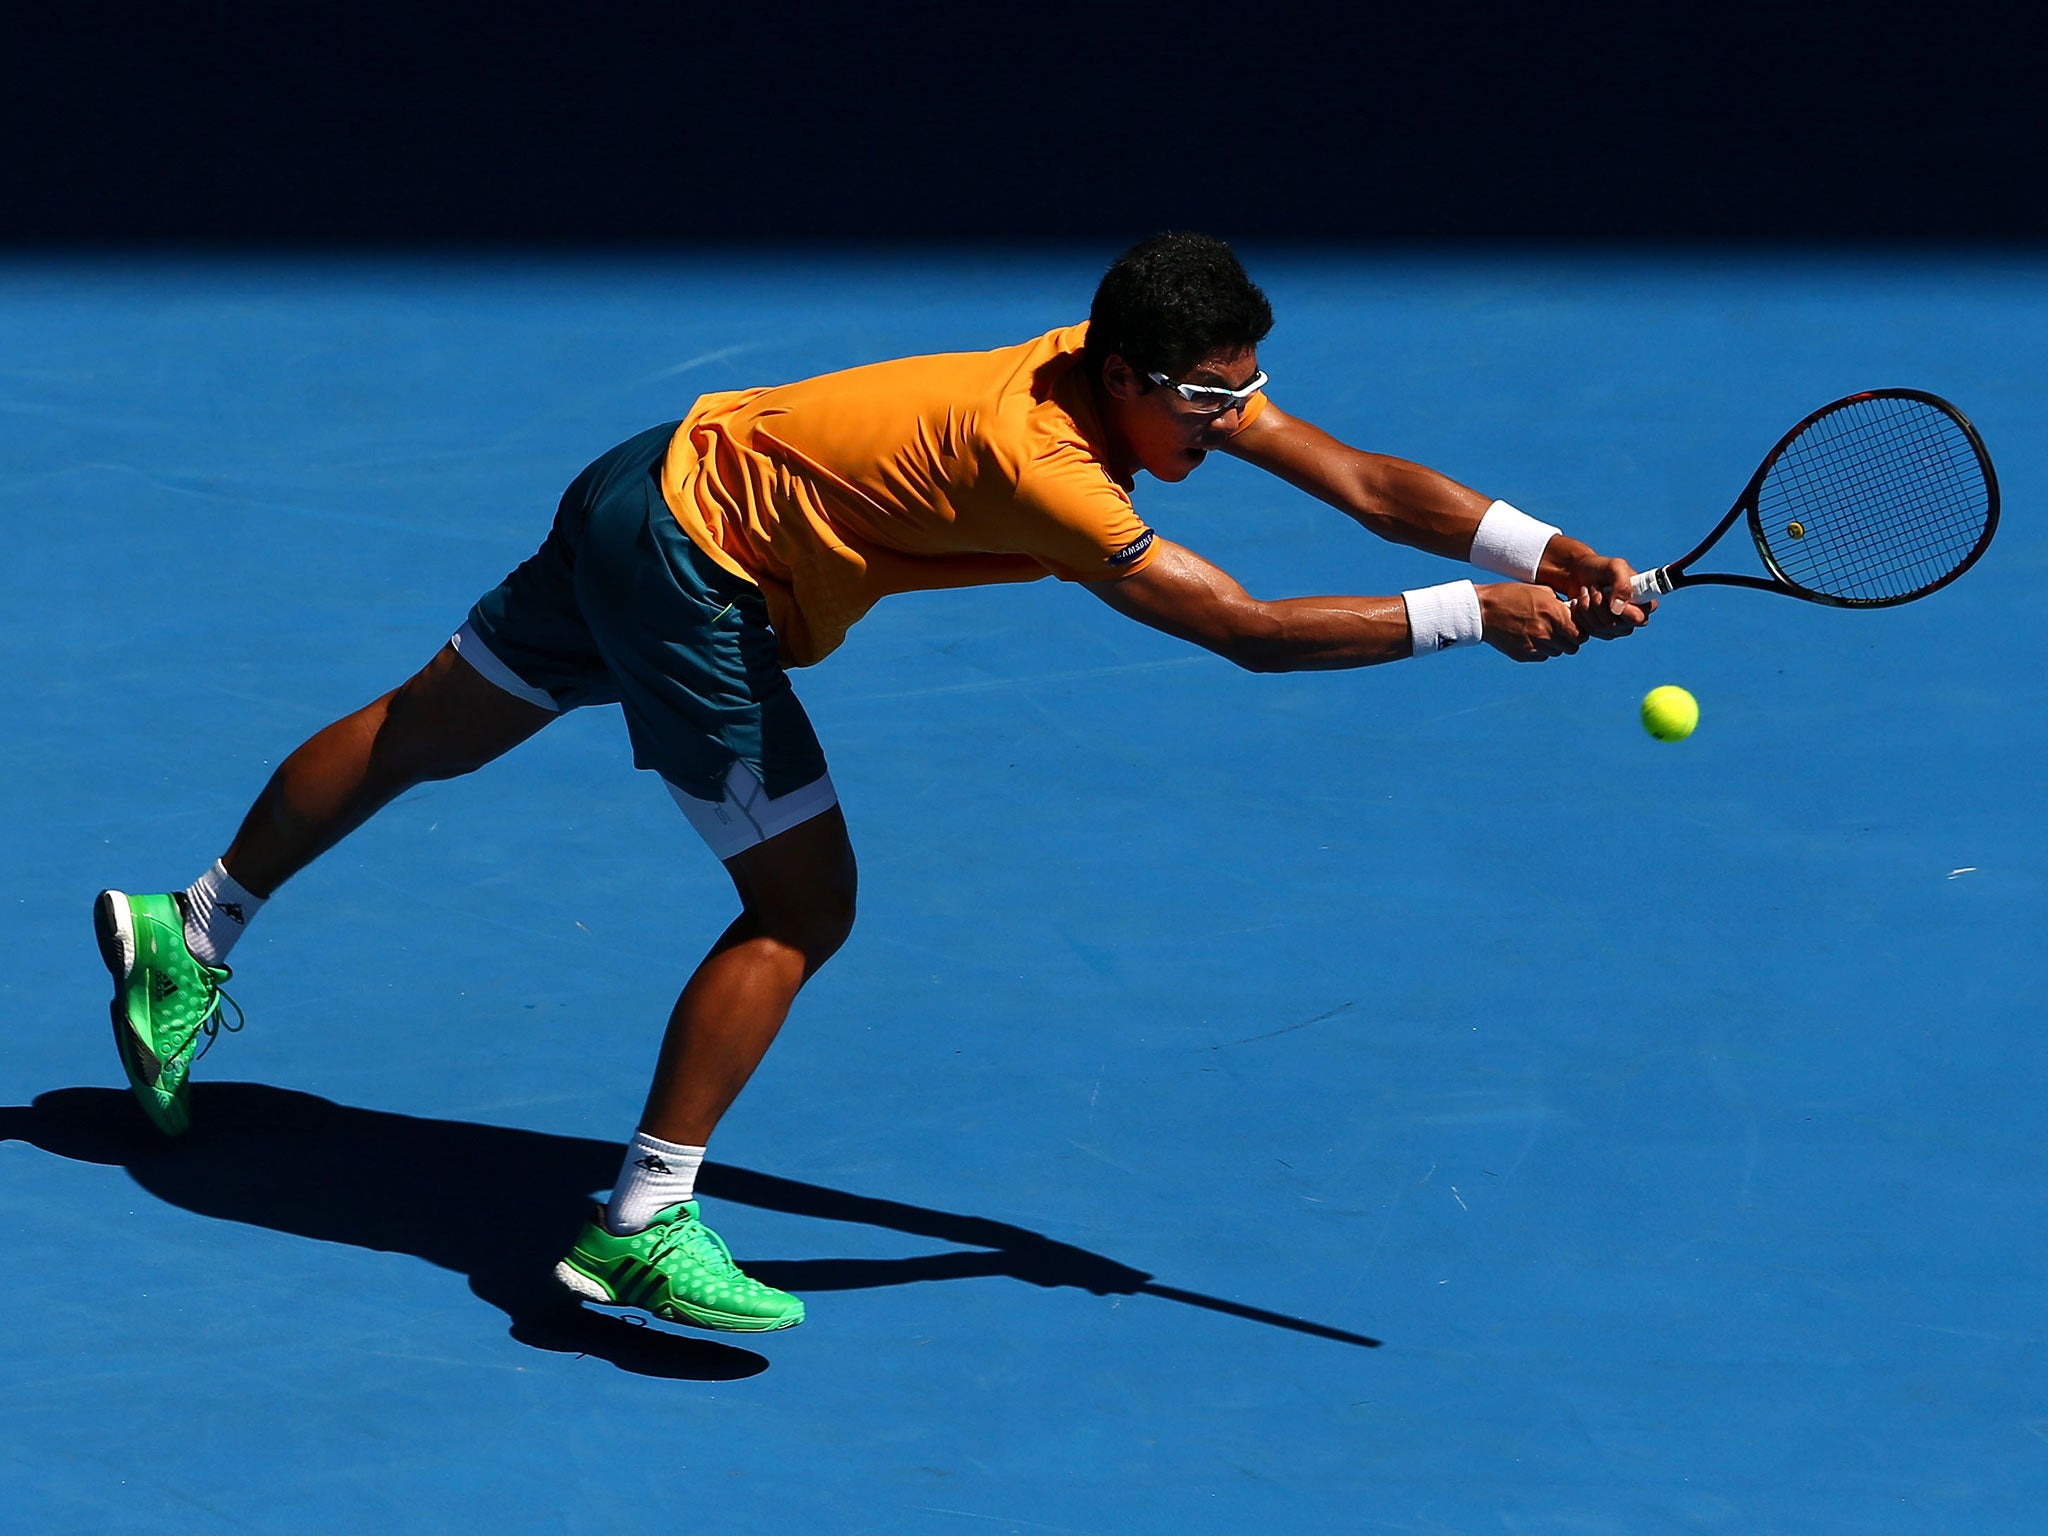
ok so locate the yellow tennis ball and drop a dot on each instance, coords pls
(1670, 713)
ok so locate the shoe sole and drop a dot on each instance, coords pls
(589, 1288)
(114, 928)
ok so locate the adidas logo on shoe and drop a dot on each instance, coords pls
(161, 986)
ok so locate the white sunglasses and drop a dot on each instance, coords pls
(1211, 399)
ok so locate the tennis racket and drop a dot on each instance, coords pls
(1875, 500)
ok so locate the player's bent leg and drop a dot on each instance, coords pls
(794, 870)
(797, 891)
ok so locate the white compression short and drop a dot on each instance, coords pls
(747, 816)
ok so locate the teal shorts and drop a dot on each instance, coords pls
(619, 606)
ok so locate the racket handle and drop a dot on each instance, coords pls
(1649, 584)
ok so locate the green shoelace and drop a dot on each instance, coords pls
(214, 1020)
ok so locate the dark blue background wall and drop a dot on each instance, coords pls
(606, 123)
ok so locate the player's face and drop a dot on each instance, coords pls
(1165, 435)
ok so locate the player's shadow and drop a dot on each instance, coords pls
(501, 1205)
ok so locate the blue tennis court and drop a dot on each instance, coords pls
(1407, 1100)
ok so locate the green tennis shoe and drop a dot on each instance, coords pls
(167, 1005)
(678, 1269)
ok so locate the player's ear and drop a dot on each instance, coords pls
(1120, 379)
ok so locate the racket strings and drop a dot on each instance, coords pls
(1910, 468)
(1862, 561)
(1886, 507)
(1878, 500)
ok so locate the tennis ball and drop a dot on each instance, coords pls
(1670, 713)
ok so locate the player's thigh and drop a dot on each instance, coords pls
(448, 719)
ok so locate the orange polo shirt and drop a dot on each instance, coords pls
(946, 471)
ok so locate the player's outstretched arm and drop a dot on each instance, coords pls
(1412, 504)
(1181, 594)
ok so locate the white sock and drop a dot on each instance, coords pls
(657, 1175)
(217, 910)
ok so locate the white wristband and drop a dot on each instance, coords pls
(1511, 543)
(1442, 617)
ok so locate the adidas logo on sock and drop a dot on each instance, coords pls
(652, 1164)
(234, 910)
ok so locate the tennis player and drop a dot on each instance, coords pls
(689, 567)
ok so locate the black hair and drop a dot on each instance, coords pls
(1169, 301)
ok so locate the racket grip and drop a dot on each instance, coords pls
(1649, 584)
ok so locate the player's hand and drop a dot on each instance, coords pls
(1602, 582)
(1598, 618)
(1597, 587)
(1527, 623)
